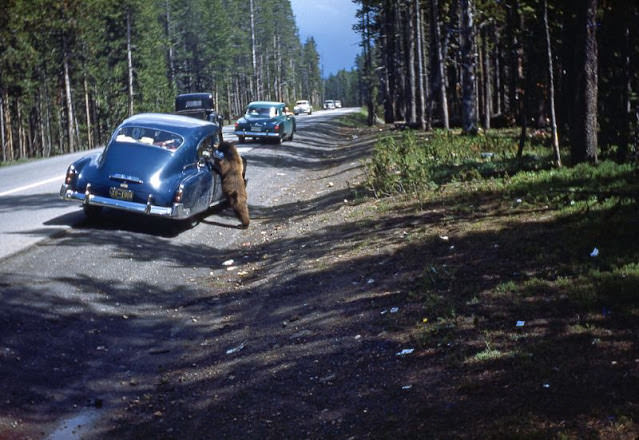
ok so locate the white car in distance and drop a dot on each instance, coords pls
(303, 106)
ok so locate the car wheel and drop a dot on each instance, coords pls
(279, 140)
(92, 212)
(290, 138)
(241, 139)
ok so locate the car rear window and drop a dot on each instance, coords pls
(150, 136)
(262, 111)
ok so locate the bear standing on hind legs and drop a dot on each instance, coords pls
(231, 167)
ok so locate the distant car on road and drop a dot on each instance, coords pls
(266, 120)
(338, 103)
(155, 164)
(199, 105)
(303, 106)
(329, 104)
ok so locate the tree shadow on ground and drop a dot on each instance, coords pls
(303, 340)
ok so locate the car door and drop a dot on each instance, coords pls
(203, 186)
(288, 123)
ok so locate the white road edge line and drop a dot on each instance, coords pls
(33, 185)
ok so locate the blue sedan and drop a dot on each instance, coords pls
(155, 164)
(266, 120)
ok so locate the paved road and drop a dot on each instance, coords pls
(30, 209)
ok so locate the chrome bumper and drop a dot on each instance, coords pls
(256, 133)
(176, 211)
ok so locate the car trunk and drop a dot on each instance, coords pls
(139, 168)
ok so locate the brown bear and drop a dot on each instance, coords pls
(230, 165)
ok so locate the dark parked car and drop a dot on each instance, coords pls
(199, 105)
(155, 164)
(266, 120)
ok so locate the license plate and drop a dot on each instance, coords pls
(256, 128)
(120, 193)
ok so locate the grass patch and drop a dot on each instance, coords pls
(543, 260)
(353, 120)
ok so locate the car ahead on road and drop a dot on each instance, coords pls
(155, 164)
(266, 120)
(329, 104)
(338, 103)
(303, 106)
(199, 105)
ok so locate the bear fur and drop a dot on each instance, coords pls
(230, 165)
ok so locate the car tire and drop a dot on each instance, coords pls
(279, 140)
(241, 139)
(92, 212)
(290, 138)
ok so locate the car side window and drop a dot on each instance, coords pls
(206, 147)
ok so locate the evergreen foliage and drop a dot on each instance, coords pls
(567, 69)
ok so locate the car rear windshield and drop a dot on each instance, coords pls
(271, 112)
(150, 136)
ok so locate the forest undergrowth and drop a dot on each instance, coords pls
(525, 277)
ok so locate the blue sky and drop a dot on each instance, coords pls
(330, 23)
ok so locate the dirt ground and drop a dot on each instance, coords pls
(338, 316)
(332, 338)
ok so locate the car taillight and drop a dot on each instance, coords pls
(178, 194)
(71, 172)
(237, 124)
(277, 127)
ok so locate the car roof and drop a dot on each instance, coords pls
(166, 121)
(265, 103)
(200, 95)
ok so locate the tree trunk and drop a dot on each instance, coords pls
(591, 82)
(487, 79)
(88, 112)
(256, 90)
(41, 126)
(22, 154)
(513, 105)
(69, 100)
(9, 150)
(169, 45)
(625, 136)
(584, 146)
(421, 99)
(469, 115)
(409, 38)
(399, 87)
(439, 84)
(2, 136)
(551, 86)
(368, 67)
(129, 58)
(389, 73)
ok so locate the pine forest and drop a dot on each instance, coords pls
(71, 70)
(565, 69)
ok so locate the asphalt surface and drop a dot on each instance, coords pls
(87, 309)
